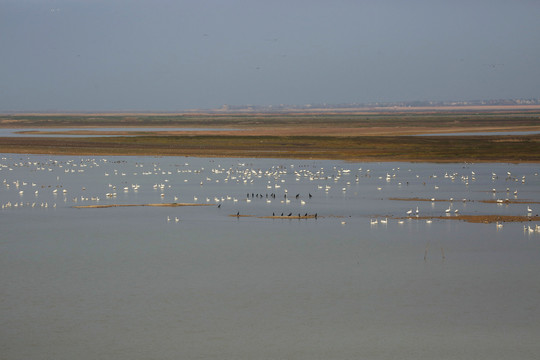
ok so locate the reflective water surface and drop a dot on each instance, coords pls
(23, 132)
(196, 282)
(484, 133)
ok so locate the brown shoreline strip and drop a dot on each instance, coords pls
(131, 205)
(508, 201)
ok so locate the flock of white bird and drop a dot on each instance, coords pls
(47, 182)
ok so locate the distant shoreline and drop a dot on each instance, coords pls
(379, 137)
(313, 110)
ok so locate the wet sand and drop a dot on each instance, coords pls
(377, 135)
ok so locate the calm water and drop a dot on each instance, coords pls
(16, 132)
(481, 133)
(6, 132)
(135, 283)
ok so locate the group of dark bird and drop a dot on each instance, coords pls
(273, 196)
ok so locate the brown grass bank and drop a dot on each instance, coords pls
(515, 148)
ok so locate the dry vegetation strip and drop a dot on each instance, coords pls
(441, 119)
(516, 148)
(279, 135)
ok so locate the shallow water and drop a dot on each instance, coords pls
(484, 133)
(22, 132)
(127, 283)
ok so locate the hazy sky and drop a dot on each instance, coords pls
(158, 55)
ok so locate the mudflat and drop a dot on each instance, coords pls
(355, 136)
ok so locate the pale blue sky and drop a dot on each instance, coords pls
(158, 55)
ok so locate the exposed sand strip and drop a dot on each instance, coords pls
(509, 201)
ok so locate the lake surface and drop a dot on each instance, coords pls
(18, 132)
(196, 282)
(484, 133)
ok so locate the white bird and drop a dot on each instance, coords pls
(385, 221)
(373, 221)
(529, 209)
